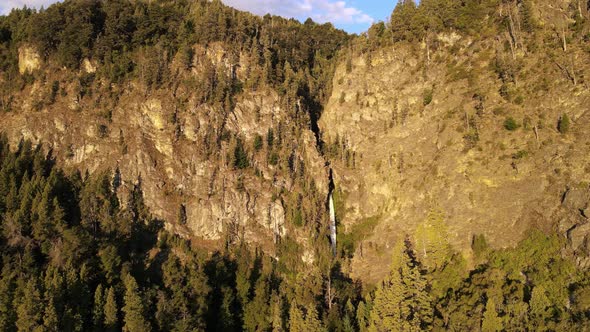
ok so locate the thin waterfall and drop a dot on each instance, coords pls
(332, 224)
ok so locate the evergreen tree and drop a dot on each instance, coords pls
(134, 318)
(347, 325)
(7, 312)
(276, 313)
(539, 308)
(312, 320)
(431, 241)
(402, 20)
(257, 311)
(258, 143)
(387, 312)
(240, 156)
(99, 307)
(111, 311)
(402, 302)
(491, 321)
(29, 309)
(421, 303)
(110, 262)
(362, 316)
(518, 319)
(50, 317)
(270, 138)
(226, 314)
(296, 319)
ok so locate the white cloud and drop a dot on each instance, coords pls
(7, 5)
(322, 11)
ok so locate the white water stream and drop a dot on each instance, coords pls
(332, 224)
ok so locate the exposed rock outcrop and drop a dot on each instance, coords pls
(29, 59)
(407, 136)
(165, 146)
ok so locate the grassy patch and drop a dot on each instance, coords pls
(348, 241)
(339, 207)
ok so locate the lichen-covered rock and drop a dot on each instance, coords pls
(579, 236)
(88, 66)
(29, 59)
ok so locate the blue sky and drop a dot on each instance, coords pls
(350, 15)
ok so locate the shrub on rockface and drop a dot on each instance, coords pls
(240, 156)
(510, 124)
(427, 97)
(563, 125)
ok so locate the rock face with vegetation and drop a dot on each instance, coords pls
(462, 125)
(169, 165)
(216, 126)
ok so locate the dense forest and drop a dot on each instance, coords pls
(76, 256)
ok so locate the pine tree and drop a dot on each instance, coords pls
(99, 306)
(110, 262)
(564, 124)
(6, 304)
(518, 316)
(491, 321)
(362, 316)
(29, 309)
(402, 302)
(111, 311)
(347, 324)
(422, 313)
(134, 320)
(312, 320)
(256, 312)
(539, 308)
(50, 317)
(240, 160)
(296, 319)
(408, 319)
(226, 315)
(431, 241)
(276, 319)
(402, 20)
(387, 314)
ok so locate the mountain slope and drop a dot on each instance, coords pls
(451, 139)
(212, 109)
(465, 126)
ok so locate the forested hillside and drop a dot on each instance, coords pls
(168, 166)
(74, 258)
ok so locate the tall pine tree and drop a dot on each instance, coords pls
(134, 311)
(29, 309)
(98, 310)
(111, 311)
(402, 302)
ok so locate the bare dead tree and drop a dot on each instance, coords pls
(568, 72)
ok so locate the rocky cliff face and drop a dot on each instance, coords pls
(170, 142)
(407, 135)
